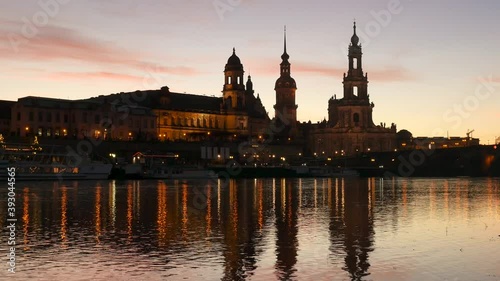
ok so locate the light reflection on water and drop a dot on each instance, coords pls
(262, 229)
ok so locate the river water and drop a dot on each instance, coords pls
(256, 229)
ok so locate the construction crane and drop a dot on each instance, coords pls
(469, 133)
(469, 136)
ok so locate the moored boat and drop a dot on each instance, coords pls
(33, 163)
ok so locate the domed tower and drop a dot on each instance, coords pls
(234, 88)
(285, 107)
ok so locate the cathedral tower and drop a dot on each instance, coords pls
(355, 83)
(285, 107)
(355, 109)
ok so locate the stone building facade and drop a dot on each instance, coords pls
(350, 128)
(236, 114)
(47, 117)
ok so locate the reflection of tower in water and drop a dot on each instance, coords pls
(351, 225)
(286, 229)
(241, 234)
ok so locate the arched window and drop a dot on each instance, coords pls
(198, 123)
(355, 118)
(204, 123)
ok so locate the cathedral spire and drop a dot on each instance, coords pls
(354, 38)
(285, 55)
(285, 40)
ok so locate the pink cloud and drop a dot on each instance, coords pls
(383, 74)
(94, 75)
(54, 43)
(390, 74)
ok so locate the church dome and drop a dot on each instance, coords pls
(285, 82)
(234, 62)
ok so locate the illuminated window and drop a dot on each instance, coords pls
(355, 91)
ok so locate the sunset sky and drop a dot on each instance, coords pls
(433, 66)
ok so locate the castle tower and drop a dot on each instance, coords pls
(285, 107)
(234, 87)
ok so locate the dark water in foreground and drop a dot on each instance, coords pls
(264, 229)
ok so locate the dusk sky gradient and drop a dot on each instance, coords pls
(425, 61)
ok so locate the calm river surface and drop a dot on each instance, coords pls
(263, 229)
